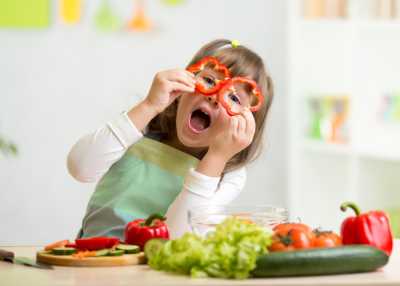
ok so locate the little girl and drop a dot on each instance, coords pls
(184, 145)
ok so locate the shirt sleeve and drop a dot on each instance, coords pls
(198, 190)
(93, 155)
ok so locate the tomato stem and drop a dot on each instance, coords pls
(285, 239)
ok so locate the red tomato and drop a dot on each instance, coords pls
(326, 239)
(290, 236)
(285, 227)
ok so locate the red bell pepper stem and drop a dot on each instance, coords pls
(149, 221)
(351, 205)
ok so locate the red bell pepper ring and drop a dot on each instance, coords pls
(201, 65)
(139, 231)
(96, 243)
(370, 228)
(229, 86)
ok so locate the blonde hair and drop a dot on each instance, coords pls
(240, 61)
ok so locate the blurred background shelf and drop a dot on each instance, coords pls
(385, 24)
(321, 147)
(380, 154)
(352, 55)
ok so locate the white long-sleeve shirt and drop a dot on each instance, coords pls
(93, 155)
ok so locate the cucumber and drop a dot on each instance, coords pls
(63, 251)
(153, 246)
(102, 252)
(129, 248)
(116, 252)
(322, 261)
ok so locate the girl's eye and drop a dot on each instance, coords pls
(209, 80)
(234, 98)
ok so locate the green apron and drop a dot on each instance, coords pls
(144, 181)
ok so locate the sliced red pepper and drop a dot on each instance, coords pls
(139, 231)
(222, 85)
(229, 85)
(56, 244)
(370, 228)
(71, 245)
(84, 253)
(201, 65)
(96, 243)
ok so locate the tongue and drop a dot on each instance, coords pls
(198, 123)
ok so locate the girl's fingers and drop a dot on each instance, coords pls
(234, 125)
(191, 75)
(182, 76)
(185, 80)
(241, 125)
(250, 122)
(174, 95)
(174, 86)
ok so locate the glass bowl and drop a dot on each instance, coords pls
(204, 219)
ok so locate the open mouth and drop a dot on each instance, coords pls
(199, 121)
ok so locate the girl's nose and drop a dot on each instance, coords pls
(213, 100)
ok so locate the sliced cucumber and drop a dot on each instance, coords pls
(153, 246)
(129, 248)
(63, 251)
(116, 252)
(102, 252)
(323, 261)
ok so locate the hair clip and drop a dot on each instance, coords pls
(235, 43)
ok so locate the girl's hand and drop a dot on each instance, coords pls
(167, 86)
(236, 137)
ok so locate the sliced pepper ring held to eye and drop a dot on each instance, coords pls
(215, 65)
(233, 107)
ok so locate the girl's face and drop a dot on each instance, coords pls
(200, 118)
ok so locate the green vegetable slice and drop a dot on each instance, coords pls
(129, 248)
(63, 251)
(116, 252)
(102, 252)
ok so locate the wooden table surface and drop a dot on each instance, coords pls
(142, 275)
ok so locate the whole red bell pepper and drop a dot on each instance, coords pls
(96, 243)
(370, 228)
(139, 231)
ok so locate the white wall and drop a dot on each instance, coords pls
(60, 83)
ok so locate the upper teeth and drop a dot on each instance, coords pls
(205, 112)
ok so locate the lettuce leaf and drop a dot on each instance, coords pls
(228, 252)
